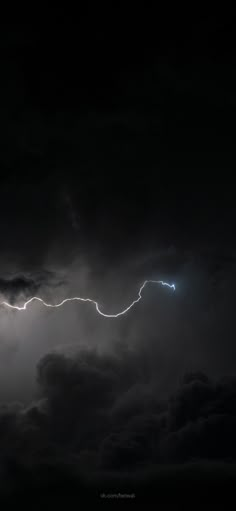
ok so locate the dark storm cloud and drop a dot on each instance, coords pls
(92, 409)
(201, 421)
(103, 414)
(26, 286)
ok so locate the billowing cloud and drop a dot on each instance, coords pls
(91, 407)
(27, 285)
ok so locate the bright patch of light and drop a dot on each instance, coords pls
(79, 299)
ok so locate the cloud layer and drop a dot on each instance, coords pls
(105, 412)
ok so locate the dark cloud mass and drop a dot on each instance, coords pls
(93, 416)
(27, 286)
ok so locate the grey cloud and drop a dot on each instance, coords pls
(27, 285)
(92, 404)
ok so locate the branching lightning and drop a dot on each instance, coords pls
(77, 298)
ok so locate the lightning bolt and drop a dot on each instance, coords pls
(77, 298)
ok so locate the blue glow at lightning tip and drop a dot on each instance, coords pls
(79, 299)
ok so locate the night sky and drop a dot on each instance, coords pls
(117, 165)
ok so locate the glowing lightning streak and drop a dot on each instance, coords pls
(36, 298)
